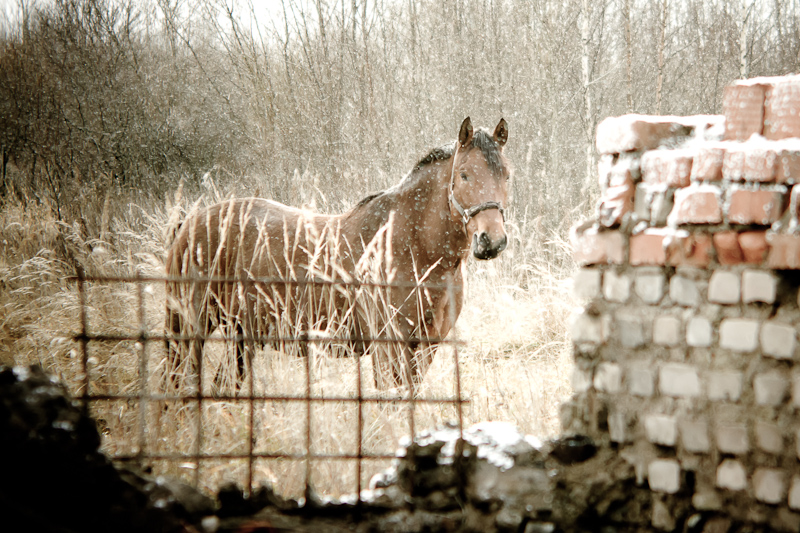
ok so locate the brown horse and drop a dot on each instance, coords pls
(419, 230)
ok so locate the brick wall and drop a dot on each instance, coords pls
(686, 347)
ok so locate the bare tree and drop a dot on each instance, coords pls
(333, 98)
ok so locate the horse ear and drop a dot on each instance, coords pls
(465, 134)
(501, 133)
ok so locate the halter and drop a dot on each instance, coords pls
(467, 214)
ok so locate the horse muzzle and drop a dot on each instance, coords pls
(483, 247)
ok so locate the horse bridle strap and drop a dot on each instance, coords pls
(468, 213)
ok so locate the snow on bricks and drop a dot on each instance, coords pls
(698, 204)
(688, 348)
(632, 133)
(701, 172)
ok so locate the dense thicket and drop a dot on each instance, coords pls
(330, 99)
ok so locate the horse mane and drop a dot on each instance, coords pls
(437, 154)
(482, 139)
(367, 199)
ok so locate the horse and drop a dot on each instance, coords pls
(226, 261)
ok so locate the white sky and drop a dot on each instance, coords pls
(264, 9)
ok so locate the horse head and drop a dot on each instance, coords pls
(479, 187)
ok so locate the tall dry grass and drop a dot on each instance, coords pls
(514, 358)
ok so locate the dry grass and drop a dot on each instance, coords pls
(514, 362)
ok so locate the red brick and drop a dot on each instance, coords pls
(617, 201)
(759, 206)
(729, 252)
(784, 251)
(787, 166)
(672, 167)
(759, 164)
(743, 106)
(754, 246)
(647, 249)
(733, 163)
(782, 109)
(592, 247)
(707, 164)
(690, 249)
(697, 205)
(750, 162)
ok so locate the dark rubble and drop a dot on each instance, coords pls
(56, 480)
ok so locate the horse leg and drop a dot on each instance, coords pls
(189, 322)
(415, 357)
(243, 354)
(418, 350)
(233, 342)
(179, 345)
(245, 350)
(246, 343)
(239, 333)
(173, 347)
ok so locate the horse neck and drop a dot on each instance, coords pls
(445, 239)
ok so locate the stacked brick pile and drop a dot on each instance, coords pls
(686, 349)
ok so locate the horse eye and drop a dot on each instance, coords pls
(464, 176)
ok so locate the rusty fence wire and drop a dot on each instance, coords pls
(150, 435)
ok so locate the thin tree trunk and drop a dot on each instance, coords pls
(587, 94)
(662, 44)
(778, 13)
(744, 35)
(629, 53)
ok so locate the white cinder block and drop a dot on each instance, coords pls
(679, 380)
(796, 390)
(640, 382)
(631, 330)
(588, 328)
(618, 427)
(581, 380)
(649, 287)
(769, 485)
(759, 286)
(664, 475)
(769, 437)
(608, 377)
(661, 429)
(694, 436)
(586, 284)
(684, 291)
(739, 334)
(724, 287)
(698, 332)
(778, 340)
(616, 287)
(731, 475)
(667, 330)
(797, 442)
(724, 385)
(794, 493)
(733, 439)
(770, 388)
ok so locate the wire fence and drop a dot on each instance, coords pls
(201, 433)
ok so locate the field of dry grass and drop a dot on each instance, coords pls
(514, 357)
